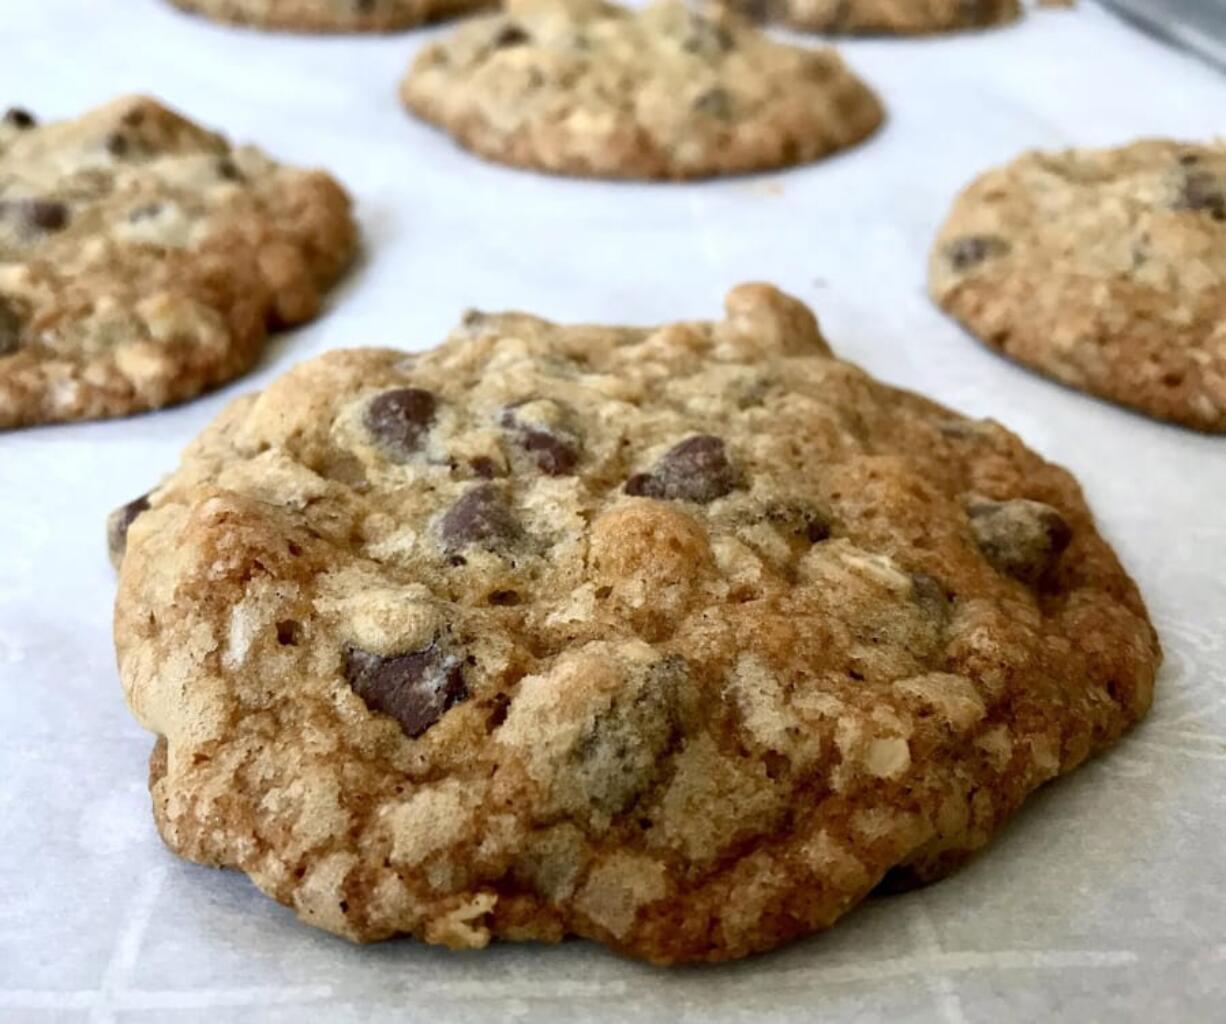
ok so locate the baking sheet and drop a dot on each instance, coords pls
(1105, 900)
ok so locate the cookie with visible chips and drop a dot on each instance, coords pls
(330, 15)
(677, 638)
(144, 259)
(582, 87)
(885, 17)
(1105, 269)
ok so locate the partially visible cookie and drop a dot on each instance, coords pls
(676, 638)
(884, 17)
(583, 87)
(143, 259)
(1105, 269)
(330, 15)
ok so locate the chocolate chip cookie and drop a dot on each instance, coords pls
(144, 259)
(583, 87)
(882, 17)
(675, 638)
(329, 15)
(1105, 269)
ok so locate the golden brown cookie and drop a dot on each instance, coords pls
(143, 259)
(583, 87)
(1105, 269)
(675, 638)
(330, 15)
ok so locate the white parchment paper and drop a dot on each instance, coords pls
(1106, 900)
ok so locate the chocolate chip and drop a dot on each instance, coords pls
(10, 329)
(484, 467)
(715, 102)
(399, 420)
(619, 753)
(117, 144)
(1203, 192)
(1021, 538)
(480, 517)
(416, 688)
(555, 456)
(228, 170)
(19, 118)
(968, 252)
(42, 214)
(500, 706)
(510, 35)
(554, 450)
(289, 632)
(696, 470)
(118, 523)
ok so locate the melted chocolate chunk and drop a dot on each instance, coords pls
(556, 452)
(19, 118)
(1023, 539)
(695, 470)
(10, 329)
(480, 517)
(399, 420)
(555, 456)
(968, 252)
(416, 688)
(119, 522)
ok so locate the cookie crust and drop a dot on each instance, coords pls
(679, 638)
(143, 259)
(585, 88)
(1104, 269)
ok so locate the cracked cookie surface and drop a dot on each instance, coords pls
(330, 15)
(884, 17)
(677, 638)
(144, 259)
(587, 88)
(1105, 269)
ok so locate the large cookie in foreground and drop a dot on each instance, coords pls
(1105, 269)
(888, 17)
(679, 639)
(329, 15)
(583, 87)
(144, 259)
